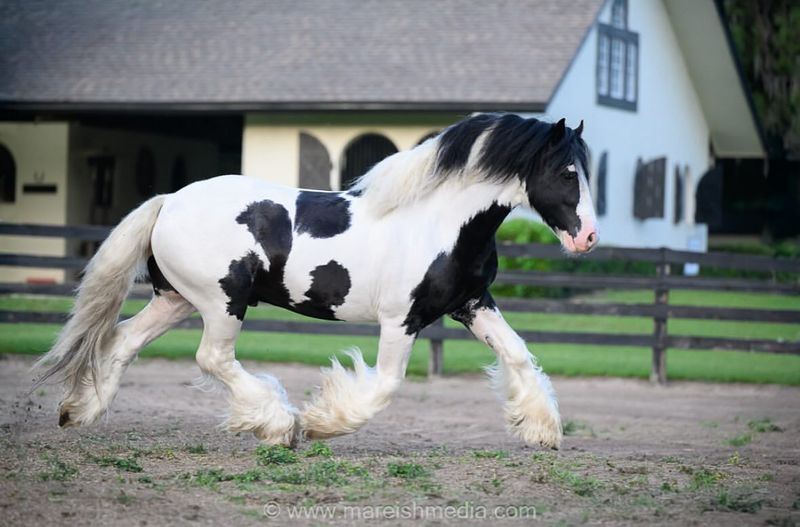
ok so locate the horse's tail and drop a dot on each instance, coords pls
(106, 282)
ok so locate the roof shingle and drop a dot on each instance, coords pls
(302, 52)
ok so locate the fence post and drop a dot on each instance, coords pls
(437, 352)
(658, 373)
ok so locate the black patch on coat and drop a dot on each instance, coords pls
(466, 313)
(462, 274)
(247, 282)
(356, 193)
(238, 283)
(321, 214)
(330, 284)
(160, 283)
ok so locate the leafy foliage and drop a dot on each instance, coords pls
(765, 34)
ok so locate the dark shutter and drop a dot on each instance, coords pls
(678, 194)
(315, 164)
(648, 189)
(179, 176)
(602, 171)
(145, 172)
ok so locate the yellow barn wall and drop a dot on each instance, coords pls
(40, 152)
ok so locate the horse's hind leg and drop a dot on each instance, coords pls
(348, 400)
(93, 396)
(258, 404)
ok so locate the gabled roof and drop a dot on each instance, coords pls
(288, 54)
(711, 59)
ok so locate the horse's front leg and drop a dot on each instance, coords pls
(346, 400)
(531, 409)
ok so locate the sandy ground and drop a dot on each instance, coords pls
(635, 454)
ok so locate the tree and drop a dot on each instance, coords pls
(767, 36)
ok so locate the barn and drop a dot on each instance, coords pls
(104, 103)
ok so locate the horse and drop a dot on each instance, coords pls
(412, 240)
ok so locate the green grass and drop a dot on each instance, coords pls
(471, 356)
(407, 470)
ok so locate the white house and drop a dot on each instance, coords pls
(104, 104)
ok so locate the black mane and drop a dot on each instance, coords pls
(514, 147)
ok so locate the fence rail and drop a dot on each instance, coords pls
(660, 311)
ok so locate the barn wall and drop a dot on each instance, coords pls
(668, 122)
(40, 152)
(271, 143)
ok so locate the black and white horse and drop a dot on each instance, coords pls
(411, 241)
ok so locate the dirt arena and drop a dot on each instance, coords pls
(687, 454)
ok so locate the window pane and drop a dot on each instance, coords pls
(602, 66)
(630, 73)
(616, 89)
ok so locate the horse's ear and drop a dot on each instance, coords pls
(559, 130)
(579, 129)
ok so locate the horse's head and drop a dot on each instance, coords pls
(558, 188)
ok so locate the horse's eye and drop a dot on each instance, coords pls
(569, 174)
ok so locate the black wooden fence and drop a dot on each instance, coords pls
(661, 283)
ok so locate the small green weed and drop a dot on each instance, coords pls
(703, 478)
(58, 471)
(740, 440)
(738, 501)
(490, 454)
(580, 485)
(318, 449)
(407, 470)
(128, 464)
(275, 455)
(196, 449)
(764, 425)
(210, 477)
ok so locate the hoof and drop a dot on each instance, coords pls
(63, 419)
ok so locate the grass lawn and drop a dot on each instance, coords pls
(466, 356)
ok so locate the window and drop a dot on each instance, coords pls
(602, 174)
(8, 176)
(617, 60)
(362, 154)
(315, 164)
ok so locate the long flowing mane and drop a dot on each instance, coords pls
(486, 147)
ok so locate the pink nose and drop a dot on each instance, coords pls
(586, 242)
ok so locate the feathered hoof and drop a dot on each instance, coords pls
(78, 412)
(269, 436)
(63, 419)
(346, 399)
(538, 432)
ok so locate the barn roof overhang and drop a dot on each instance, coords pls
(710, 57)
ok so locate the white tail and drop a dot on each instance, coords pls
(106, 282)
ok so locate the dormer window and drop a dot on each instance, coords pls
(617, 60)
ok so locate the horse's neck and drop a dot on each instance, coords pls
(451, 206)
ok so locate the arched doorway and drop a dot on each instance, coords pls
(315, 164)
(362, 154)
(708, 199)
(8, 176)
